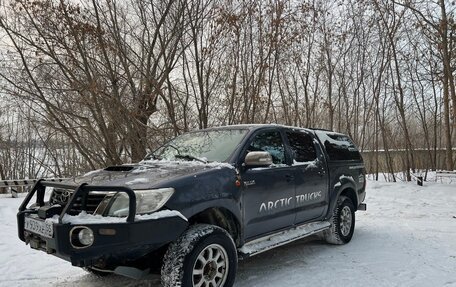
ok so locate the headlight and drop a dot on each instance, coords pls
(147, 201)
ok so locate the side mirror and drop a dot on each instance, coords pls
(258, 158)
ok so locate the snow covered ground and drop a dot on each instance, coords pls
(406, 238)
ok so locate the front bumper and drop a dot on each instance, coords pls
(130, 240)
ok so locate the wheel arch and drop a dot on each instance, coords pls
(221, 217)
(350, 193)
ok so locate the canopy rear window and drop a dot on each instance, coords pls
(338, 146)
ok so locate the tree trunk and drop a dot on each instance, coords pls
(448, 88)
(138, 138)
(446, 120)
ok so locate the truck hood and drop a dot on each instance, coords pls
(145, 174)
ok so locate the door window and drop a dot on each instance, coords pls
(269, 141)
(302, 146)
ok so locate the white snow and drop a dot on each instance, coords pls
(138, 180)
(92, 172)
(309, 164)
(140, 169)
(161, 214)
(84, 218)
(407, 237)
(342, 177)
(194, 163)
(274, 165)
(324, 136)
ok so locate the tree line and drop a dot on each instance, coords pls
(96, 83)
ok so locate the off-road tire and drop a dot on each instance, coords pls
(181, 257)
(337, 234)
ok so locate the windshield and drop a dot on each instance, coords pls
(207, 146)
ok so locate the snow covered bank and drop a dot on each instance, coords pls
(407, 237)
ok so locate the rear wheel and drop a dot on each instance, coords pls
(342, 222)
(204, 256)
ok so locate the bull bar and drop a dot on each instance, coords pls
(81, 190)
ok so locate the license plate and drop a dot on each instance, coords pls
(40, 227)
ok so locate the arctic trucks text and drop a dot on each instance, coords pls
(194, 206)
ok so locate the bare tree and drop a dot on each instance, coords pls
(108, 61)
(100, 82)
(437, 30)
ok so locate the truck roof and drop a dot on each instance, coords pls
(257, 126)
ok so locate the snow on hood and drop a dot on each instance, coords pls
(145, 174)
(194, 163)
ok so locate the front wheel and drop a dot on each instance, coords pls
(204, 256)
(342, 222)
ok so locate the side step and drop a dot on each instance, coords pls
(266, 243)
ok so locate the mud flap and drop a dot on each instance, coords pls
(362, 206)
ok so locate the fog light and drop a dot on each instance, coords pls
(85, 236)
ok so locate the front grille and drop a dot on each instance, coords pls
(62, 196)
(93, 200)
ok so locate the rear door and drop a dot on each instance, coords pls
(311, 177)
(269, 192)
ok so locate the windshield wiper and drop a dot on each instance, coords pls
(190, 157)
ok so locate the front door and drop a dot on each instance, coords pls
(269, 192)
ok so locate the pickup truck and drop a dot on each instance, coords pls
(199, 203)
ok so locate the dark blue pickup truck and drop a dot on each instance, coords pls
(199, 203)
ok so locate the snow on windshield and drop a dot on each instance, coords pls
(205, 146)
